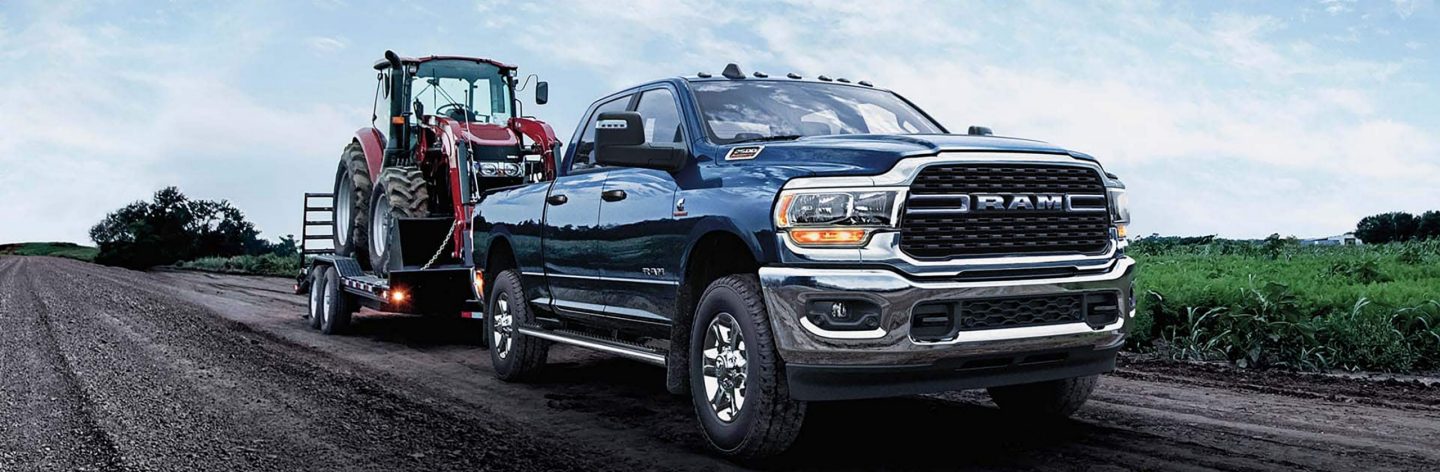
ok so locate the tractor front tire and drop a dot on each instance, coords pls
(352, 205)
(401, 192)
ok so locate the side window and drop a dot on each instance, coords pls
(662, 117)
(585, 149)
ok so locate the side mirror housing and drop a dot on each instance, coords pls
(620, 141)
(542, 92)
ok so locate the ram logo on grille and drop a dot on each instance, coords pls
(1019, 202)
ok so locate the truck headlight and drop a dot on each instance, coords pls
(1119, 206)
(835, 218)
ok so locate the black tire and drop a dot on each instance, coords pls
(335, 314)
(317, 295)
(525, 355)
(1052, 400)
(406, 195)
(352, 233)
(768, 420)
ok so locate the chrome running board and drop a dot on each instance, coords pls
(635, 352)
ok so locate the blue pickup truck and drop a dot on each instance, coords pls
(776, 241)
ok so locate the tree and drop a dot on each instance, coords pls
(1429, 225)
(172, 228)
(1387, 227)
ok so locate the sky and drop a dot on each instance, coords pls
(1234, 118)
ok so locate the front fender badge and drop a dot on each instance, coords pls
(743, 153)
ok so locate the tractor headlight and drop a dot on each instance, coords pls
(835, 218)
(500, 169)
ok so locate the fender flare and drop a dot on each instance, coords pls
(373, 144)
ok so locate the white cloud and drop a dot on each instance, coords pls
(325, 45)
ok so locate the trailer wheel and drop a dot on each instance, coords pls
(336, 306)
(400, 193)
(317, 295)
(515, 356)
(352, 205)
(737, 381)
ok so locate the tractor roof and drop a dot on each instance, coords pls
(382, 64)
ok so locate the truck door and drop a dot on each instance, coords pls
(640, 243)
(571, 212)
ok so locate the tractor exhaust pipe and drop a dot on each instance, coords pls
(395, 150)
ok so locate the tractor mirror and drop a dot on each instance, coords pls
(542, 93)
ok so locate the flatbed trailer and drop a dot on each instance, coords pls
(423, 283)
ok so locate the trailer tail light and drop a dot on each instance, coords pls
(398, 296)
(479, 283)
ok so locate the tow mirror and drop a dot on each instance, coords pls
(620, 141)
(542, 92)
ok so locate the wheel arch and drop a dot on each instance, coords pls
(714, 254)
(373, 144)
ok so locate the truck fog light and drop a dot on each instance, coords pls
(843, 315)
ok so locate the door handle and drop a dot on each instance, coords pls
(556, 199)
(613, 195)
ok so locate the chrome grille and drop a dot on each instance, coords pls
(933, 227)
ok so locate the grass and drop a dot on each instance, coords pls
(70, 250)
(267, 264)
(1278, 304)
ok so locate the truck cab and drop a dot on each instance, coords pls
(777, 241)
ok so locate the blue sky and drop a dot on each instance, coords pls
(1231, 118)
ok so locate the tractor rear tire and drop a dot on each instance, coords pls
(352, 205)
(401, 192)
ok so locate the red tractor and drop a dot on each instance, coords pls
(403, 198)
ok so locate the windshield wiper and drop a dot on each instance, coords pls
(778, 137)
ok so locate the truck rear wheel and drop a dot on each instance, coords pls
(737, 382)
(352, 205)
(1056, 399)
(401, 192)
(336, 305)
(515, 356)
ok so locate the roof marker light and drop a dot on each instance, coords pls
(843, 80)
(866, 83)
(732, 71)
(703, 75)
(759, 74)
(793, 75)
(824, 79)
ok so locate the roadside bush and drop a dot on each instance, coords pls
(264, 264)
(172, 228)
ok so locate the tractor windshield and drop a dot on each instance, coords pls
(466, 91)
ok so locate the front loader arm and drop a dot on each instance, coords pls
(544, 139)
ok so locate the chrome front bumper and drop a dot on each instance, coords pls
(788, 289)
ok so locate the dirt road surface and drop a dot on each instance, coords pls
(110, 369)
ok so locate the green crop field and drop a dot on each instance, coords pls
(1277, 303)
(70, 250)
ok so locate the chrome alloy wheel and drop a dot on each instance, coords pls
(725, 367)
(342, 203)
(504, 327)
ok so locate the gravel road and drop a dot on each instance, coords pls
(110, 369)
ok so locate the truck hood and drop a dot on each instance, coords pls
(860, 154)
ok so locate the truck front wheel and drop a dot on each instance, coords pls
(514, 356)
(737, 382)
(1051, 400)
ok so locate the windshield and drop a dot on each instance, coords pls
(463, 90)
(757, 110)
